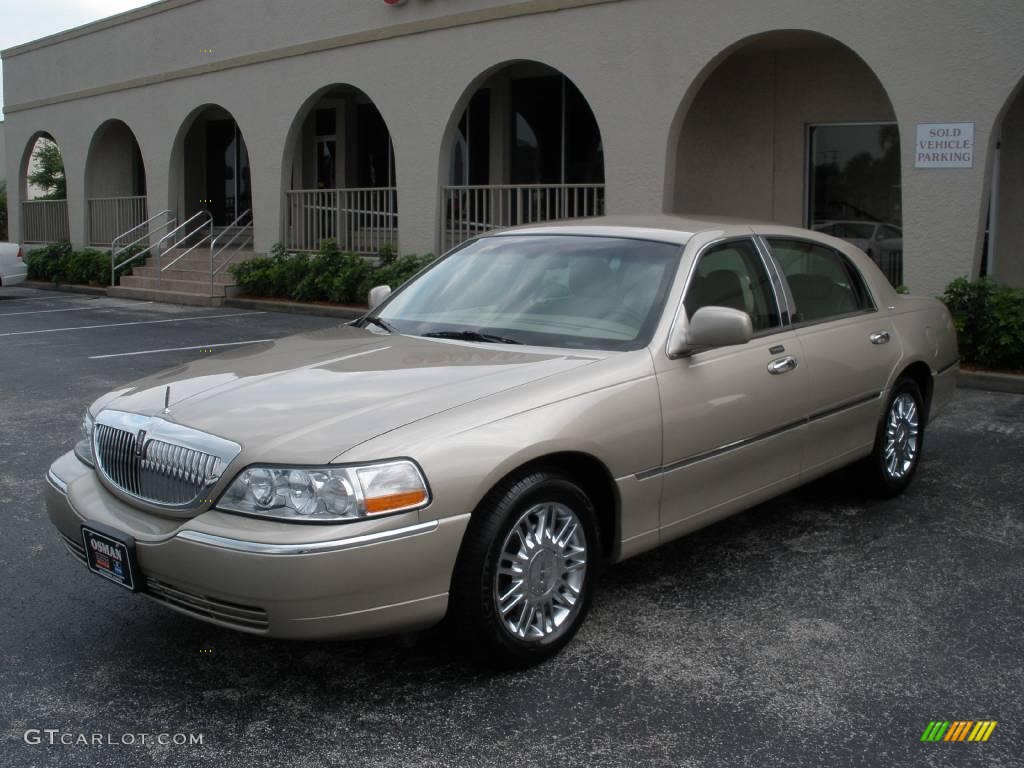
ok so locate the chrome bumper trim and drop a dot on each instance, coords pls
(56, 482)
(312, 548)
(945, 368)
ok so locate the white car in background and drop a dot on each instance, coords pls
(875, 238)
(13, 269)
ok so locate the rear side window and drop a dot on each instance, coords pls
(733, 275)
(823, 282)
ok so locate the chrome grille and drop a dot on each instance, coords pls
(158, 461)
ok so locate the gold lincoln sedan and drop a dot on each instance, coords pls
(532, 407)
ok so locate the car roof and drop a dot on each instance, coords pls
(666, 227)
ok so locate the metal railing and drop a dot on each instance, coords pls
(44, 221)
(361, 220)
(891, 263)
(109, 217)
(137, 235)
(240, 226)
(195, 231)
(467, 211)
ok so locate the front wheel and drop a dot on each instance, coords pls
(893, 461)
(525, 575)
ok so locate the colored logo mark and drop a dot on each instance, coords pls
(958, 730)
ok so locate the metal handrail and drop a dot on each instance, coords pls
(240, 228)
(116, 250)
(206, 222)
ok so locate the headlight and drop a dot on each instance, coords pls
(326, 494)
(83, 449)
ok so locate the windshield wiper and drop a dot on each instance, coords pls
(380, 324)
(470, 336)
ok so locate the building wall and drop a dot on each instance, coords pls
(3, 153)
(742, 150)
(111, 167)
(638, 62)
(1009, 224)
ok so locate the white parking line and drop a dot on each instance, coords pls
(137, 322)
(180, 349)
(74, 309)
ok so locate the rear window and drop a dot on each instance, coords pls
(823, 282)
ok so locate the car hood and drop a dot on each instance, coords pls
(311, 397)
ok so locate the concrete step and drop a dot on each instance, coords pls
(167, 297)
(177, 286)
(194, 275)
(201, 261)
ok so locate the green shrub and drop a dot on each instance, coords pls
(329, 275)
(48, 263)
(989, 322)
(59, 264)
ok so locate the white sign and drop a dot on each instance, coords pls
(944, 145)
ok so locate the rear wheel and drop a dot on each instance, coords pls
(525, 575)
(893, 461)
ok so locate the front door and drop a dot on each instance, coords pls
(733, 416)
(228, 179)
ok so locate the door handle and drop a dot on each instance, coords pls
(880, 337)
(782, 365)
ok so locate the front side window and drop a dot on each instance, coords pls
(823, 282)
(550, 290)
(733, 275)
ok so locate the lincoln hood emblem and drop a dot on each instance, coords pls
(167, 400)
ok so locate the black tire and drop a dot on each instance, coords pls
(474, 613)
(884, 473)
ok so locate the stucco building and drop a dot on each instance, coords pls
(421, 123)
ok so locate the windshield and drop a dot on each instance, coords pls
(549, 290)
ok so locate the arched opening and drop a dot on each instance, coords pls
(115, 183)
(44, 192)
(210, 169)
(1004, 247)
(524, 148)
(341, 182)
(794, 127)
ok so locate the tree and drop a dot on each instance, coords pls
(48, 171)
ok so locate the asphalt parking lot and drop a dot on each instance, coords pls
(821, 629)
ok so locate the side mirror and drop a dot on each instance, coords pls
(710, 327)
(378, 294)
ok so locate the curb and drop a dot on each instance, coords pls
(991, 382)
(89, 290)
(295, 308)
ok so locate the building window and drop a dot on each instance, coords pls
(854, 172)
(854, 189)
(555, 139)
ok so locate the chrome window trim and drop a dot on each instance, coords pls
(311, 548)
(681, 306)
(779, 283)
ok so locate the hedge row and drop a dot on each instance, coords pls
(330, 275)
(58, 263)
(989, 323)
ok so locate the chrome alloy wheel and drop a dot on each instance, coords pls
(902, 430)
(541, 569)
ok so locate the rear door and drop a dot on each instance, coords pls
(733, 416)
(849, 348)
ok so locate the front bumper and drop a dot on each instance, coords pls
(277, 579)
